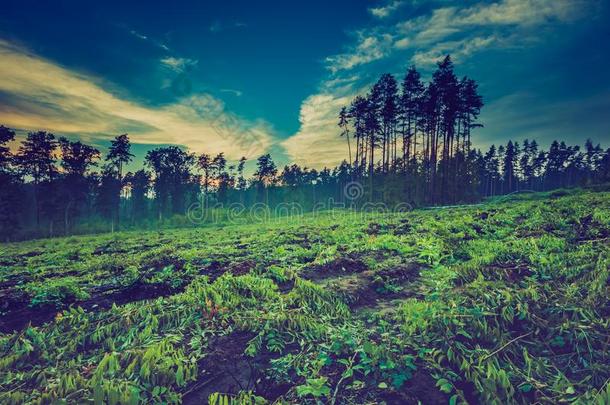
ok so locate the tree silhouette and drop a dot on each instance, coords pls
(343, 124)
(119, 153)
(76, 159)
(139, 183)
(241, 180)
(219, 163)
(204, 162)
(36, 158)
(108, 193)
(265, 174)
(9, 187)
(357, 112)
(172, 168)
(6, 135)
(410, 104)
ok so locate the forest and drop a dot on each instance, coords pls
(409, 143)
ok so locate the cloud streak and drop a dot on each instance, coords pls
(41, 95)
(178, 64)
(448, 28)
(387, 10)
(146, 38)
(371, 47)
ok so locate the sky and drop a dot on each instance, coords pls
(247, 78)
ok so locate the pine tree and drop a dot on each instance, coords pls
(36, 158)
(410, 104)
(10, 188)
(344, 125)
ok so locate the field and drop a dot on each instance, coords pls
(503, 302)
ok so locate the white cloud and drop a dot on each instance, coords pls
(138, 35)
(402, 43)
(317, 143)
(457, 49)
(523, 12)
(454, 25)
(148, 39)
(370, 48)
(237, 93)
(450, 28)
(178, 64)
(41, 95)
(385, 11)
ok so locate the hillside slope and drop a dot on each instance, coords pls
(495, 303)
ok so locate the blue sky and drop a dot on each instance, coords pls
(253, 77)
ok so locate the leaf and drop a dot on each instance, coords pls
(526, 388)
(399, 379)
(382, 385)
(444, 385)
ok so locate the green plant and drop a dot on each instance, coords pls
(56, 292)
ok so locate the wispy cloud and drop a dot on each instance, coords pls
(458, 49)
(178, 64)
(218, 26)
(41, 94)
(236, 93)
(385, 11)
(371, 47)
(149, 40)
(448, 28)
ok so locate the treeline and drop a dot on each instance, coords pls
(405, 143)
(412, 142)
(54, 186)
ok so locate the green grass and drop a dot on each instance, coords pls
(504, 302)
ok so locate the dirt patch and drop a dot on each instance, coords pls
(216, 268)
(285, 286)
(404, 227)
(137, 292)
(373, 229)
(350, 264)
(478, 229)
(587, 228)
(157, 264)
(402, 273)
(228, 370)
(302, 240)
(109, 248)
(420, 388)
(365, 291)
(18, 314)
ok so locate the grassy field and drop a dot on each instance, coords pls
(502, 302)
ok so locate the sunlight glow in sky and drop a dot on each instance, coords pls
(247, 78)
